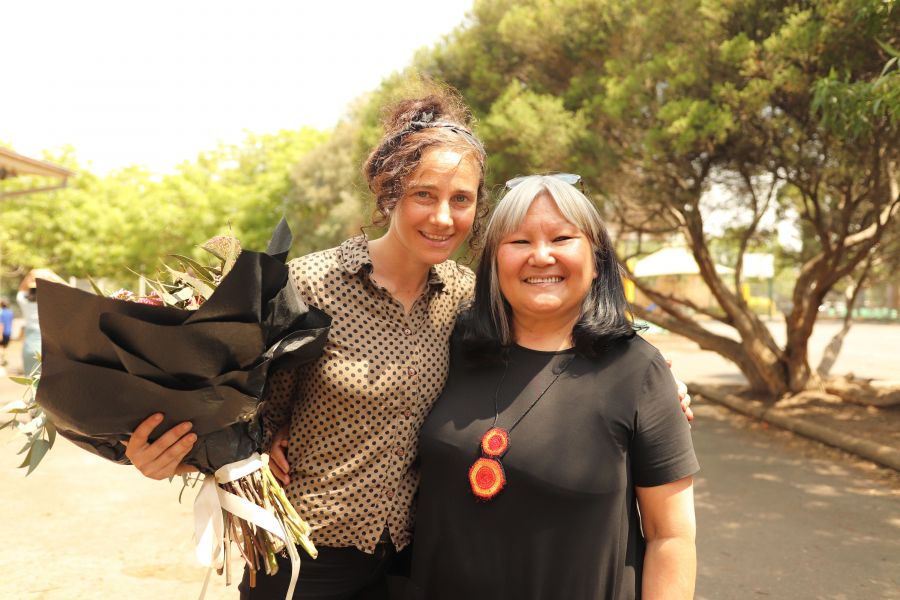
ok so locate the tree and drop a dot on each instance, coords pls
(326, 203)
(129, 220)
(94, 226)
(787, 105)
(248, 185)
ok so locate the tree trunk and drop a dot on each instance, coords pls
(829, 357)
(764, 372)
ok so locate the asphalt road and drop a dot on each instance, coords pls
(785, 518)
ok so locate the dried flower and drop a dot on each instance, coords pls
(122, 294)
(153, 299)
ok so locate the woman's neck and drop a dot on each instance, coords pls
(393, 269)
(548, 335)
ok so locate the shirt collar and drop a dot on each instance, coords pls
(354, 257)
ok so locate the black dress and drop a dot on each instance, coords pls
(566, 526)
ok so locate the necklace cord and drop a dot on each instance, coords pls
(533, 404)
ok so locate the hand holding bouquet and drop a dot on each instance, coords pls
(197, 349)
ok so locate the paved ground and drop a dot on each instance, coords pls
(80, 527)
(779, 517)
(784, 518)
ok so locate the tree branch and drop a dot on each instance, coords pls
(668, 301)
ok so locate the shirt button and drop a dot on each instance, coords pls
(389, 493)
(411, 371)
(407, 413)
(407, 331)
(400, 452)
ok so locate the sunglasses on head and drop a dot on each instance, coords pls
(570, 178)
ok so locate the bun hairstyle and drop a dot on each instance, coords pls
(413, 126)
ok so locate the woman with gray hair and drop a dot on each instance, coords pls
(556, 463)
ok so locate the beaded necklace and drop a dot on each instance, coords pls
(486, 475)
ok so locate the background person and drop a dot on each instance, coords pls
(27, 299)
(587, 492)
(6, 320)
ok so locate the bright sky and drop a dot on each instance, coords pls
(154, 83)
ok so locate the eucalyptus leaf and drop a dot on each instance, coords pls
(199, 286)
(170, 300)
(202, 271)
(226, 248)
(97, 289)
(27, 446)
(50, 428)
(888, 48)
(156, 287)
(37, 454)
(183, 295)
(176, 275)
(27, 458)
(22, 380)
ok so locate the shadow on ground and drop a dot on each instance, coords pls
(782, 517)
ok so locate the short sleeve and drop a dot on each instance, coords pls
(662, 450)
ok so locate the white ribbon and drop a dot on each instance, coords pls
(209, 524)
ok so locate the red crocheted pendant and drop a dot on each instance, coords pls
(495, 442)
(486, 478)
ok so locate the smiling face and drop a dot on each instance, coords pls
(438, 207)
(545, 266)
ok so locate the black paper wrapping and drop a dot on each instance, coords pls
(109, 364)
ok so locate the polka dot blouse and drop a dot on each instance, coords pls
(355, 414)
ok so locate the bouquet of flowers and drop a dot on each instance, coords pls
(196, 349)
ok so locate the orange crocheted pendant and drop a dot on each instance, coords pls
(486, 478)
(495, 442)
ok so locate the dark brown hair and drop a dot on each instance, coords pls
(412, 126)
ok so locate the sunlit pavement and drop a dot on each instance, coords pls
(80, 527)
(782, 517)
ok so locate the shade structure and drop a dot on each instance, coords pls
(13, 164)
(672, 261)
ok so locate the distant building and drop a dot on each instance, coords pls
(674, 271)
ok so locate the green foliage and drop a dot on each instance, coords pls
(248, 184)
(29, 419)
(529, 132)
(326, 203)
(857, 109)
(657, 102)
(108, 227)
